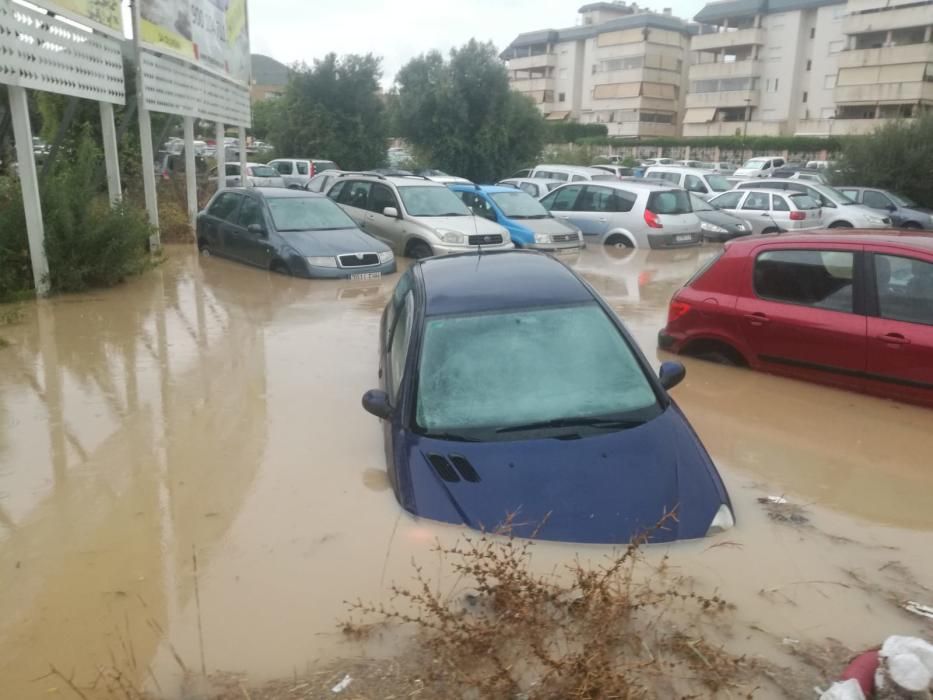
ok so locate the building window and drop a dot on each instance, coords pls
(561, 97)
(805, 98)
(812, 32)
(809, 65)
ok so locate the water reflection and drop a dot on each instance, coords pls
(141, 423)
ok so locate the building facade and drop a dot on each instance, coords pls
(763, 67)
(621, 66)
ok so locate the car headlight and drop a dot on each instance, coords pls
(722, 521)
(386, 256)
(542, 238)
(322, 262)
(712, 228)
(454, 237)
(741, 227)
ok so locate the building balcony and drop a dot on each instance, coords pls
(888, 19)
(735, 98)
(633, 129)
(637, 75)
(544, 60)
(724, 40)
(737, 69)
(531, 85)
(888, 56)
(883, 92)
(840, 127)
(755, 128)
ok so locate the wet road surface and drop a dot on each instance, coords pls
(185, 469)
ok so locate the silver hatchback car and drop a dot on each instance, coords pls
(771, 211)
(630, 214)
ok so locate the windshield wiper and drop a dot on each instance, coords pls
(453, 437)
(574, 422)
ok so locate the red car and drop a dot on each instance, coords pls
(854, 310)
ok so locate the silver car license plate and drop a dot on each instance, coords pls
(366, 276)
(684, 238)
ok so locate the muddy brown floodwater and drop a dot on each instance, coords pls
(185, 469)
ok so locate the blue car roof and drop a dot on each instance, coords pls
(475, 283)
(488, 189)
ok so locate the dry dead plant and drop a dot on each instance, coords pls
(623, 629)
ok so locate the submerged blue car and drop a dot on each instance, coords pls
(529, 224)
(511, 393)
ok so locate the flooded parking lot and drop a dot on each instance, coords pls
(185, 469)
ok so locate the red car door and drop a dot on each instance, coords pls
(800, 313)
(900, 327)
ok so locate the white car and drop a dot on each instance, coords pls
(760, 167)
(258, 175)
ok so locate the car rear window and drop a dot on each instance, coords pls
(718, 183)
(263, 171)
(604, 177)
(669, 202)
(322, 165)
(804, 201)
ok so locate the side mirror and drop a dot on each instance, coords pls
(377, 403)
(671, 374)
(891, 207)
(256, 229)
(391, 212)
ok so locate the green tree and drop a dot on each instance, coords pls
(332, 111)
(896, 157)
(461, 116)
(265, 114)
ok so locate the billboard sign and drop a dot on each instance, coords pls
(211, 34)
(105, 16)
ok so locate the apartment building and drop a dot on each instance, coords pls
(622, 66)
(886, 69)
(763, 67)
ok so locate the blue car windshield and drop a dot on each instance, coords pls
(490, 373)
(520, 205)
(307, 214)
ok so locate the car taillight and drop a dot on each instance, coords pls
(677, 310)
(652, 219)
(312, 169)
(797, 216)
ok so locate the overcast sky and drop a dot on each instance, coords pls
(398, 30)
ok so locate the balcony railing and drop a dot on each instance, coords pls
(737, 69)
(722, 40)
(883, 92)
(544, 60)
(888, 56)
(754, 128)
(734, 98)
(888, 19)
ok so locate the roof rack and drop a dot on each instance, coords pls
(367, 173)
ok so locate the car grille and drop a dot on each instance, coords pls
(358, 259)
(565, 237)
(487, 239)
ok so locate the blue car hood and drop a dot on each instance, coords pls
(605, 488)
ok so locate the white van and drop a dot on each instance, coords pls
(570, 173)
(704, 183)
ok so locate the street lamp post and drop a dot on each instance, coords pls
(748, 110)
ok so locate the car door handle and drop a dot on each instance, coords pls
(602, 219)
(894, 339)
(757, 319)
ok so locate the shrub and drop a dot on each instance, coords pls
(895, 157)
(88, 242)
(571, 132)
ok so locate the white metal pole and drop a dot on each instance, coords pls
(191, 176)
(111, 156)
(149, 181)
(145, 138)
(244, 180)
(26, 160)
(221, 156)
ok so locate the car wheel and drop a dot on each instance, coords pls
(280, 268)
(840, 224)
(204, 248)
(770, 230)
(618, 241)
(419, 250)
(913, 225)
